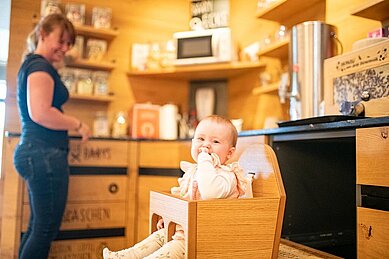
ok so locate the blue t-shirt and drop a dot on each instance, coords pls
(31, 130)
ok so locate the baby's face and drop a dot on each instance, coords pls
(212, 137)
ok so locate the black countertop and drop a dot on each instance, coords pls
(331, 128)
(345, 125)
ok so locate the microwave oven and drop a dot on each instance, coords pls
(357, 82)
(203, 46)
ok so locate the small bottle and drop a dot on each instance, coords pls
(192, 123)
(101, 125)
(119, 128)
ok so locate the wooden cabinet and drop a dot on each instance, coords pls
(372, 233)
(372, 156)
(372, 150)
(101, 200)
(158, 170)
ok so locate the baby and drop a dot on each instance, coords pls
(213, 145)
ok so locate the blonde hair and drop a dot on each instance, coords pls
(47, 24)
(221, 120)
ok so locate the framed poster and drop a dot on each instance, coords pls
(208, 14)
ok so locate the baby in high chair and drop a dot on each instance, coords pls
(213, 145)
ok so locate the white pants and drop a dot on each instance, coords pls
(151, 247)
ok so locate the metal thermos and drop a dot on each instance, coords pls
(311, 42)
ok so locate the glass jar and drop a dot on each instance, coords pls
(119, 128)
(101, 125)
(100, 81)
(84, 83)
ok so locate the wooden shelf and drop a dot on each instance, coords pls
(87, 30)
(373, 9)
(266, 88)
(95, 98)
(211, 71)
(84, 63)
(277, 50)
(282, 10)
(100, 33)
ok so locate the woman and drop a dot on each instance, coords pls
(41, 156)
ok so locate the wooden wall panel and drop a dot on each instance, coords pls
(12, 206)
(350, 28)
(143, 22)
(155, 21)
(137, 22)
(20, 25)
(247, 29)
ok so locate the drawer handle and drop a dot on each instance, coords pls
(113, 188)
(384, 133)
(367, 231)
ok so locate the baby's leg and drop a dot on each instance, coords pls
(140, 250)
(174, 249)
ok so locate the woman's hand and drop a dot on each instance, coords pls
(160, 224)
(84, 131)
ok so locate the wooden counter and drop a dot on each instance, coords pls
(154, 165)
(108, 198)
(101, 200)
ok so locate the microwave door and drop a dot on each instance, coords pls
(215, 45)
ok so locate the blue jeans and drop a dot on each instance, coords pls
(46, 172)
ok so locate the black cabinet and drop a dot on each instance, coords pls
(318, 171)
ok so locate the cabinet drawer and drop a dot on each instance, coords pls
(97, 153)
(88, 216)
(95, 188)
(163, 154)
(372, 233)
(85, 248)
(372, 147)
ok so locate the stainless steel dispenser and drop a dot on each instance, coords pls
(311, 42)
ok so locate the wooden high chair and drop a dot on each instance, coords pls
(230, 228)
